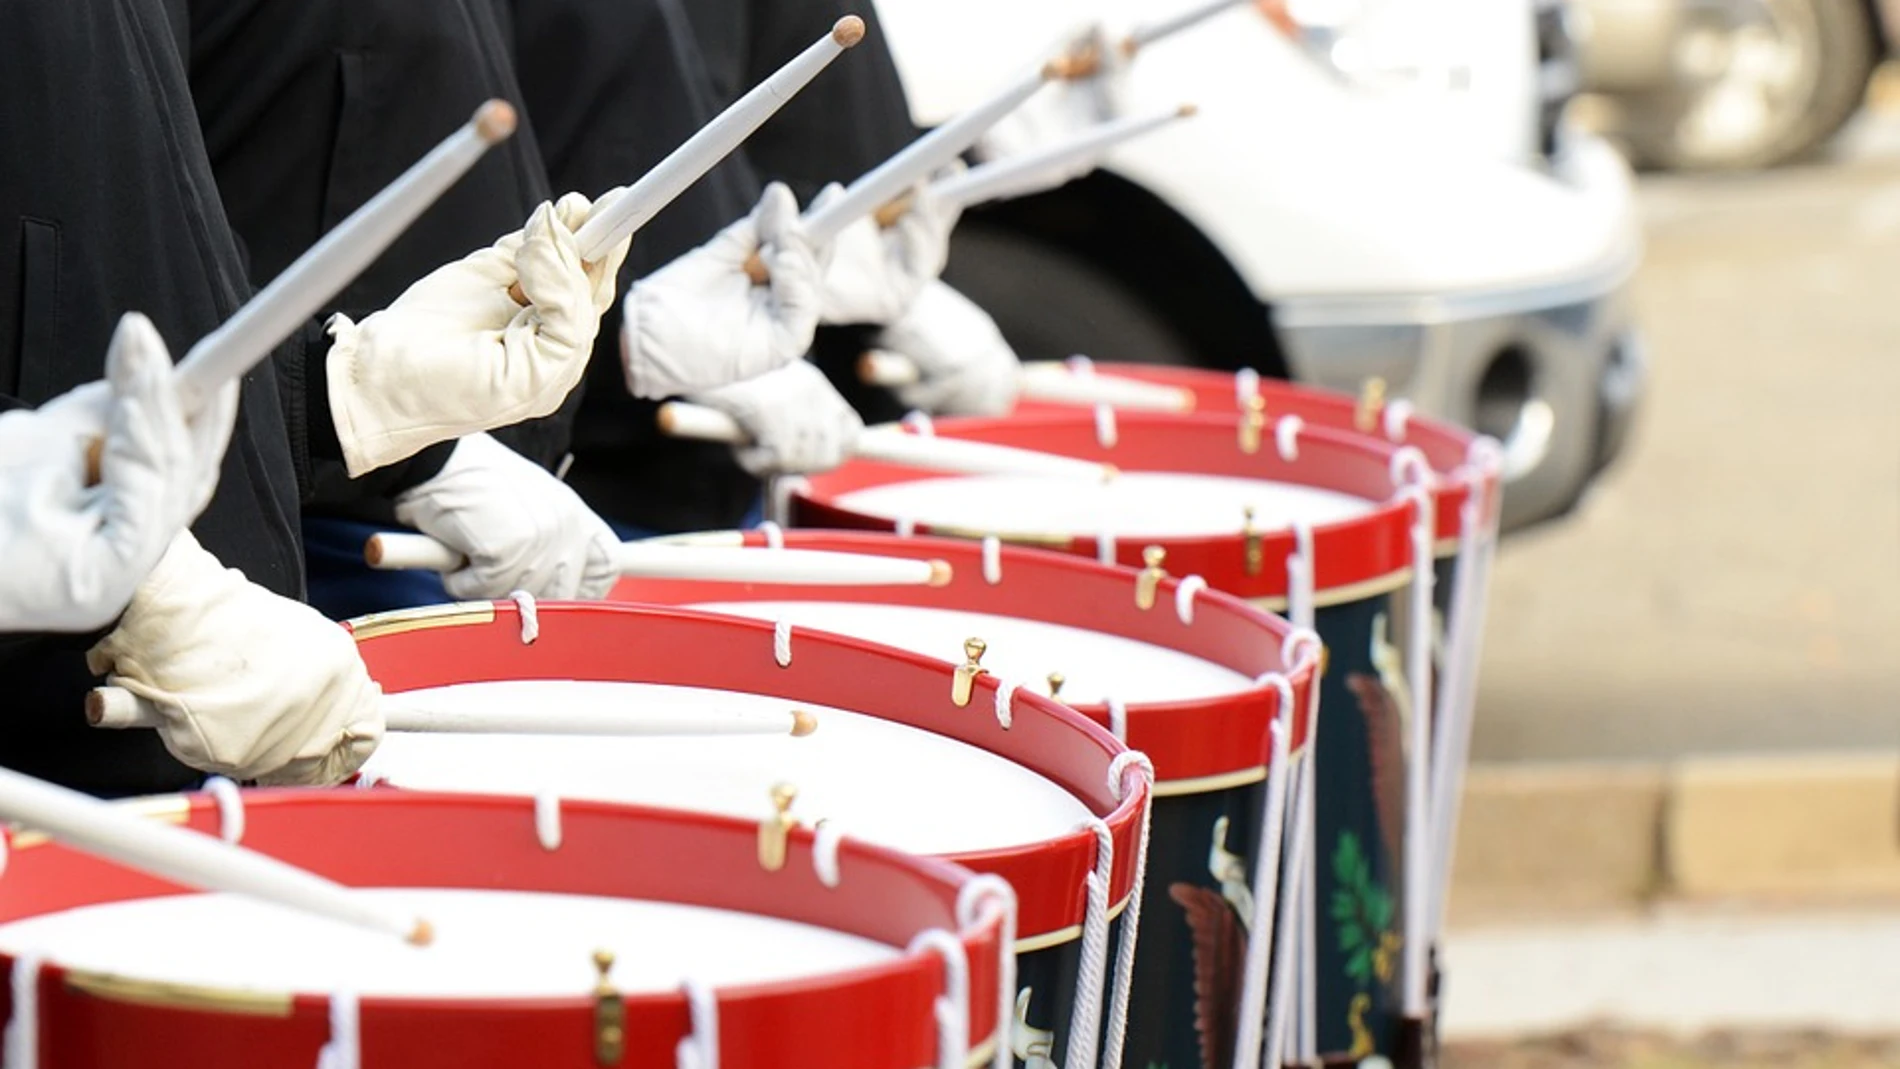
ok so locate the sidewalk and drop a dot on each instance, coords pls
(1683, 971)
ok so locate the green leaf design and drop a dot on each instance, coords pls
(1359, 965)
(1361, 909)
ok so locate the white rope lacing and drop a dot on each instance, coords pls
(370, 777)
(1184, 592)
(1005, 703)
(547, 820)
(699, 1049)
(1300, 569)
(992, 560)
(1410, 469)
(1286, 437)
(824, 853)
(783, 489)
(905, 526)
(1118, 719)
(530, 616)
(774, 534)
(1106, 434)
(1246, 387)
(230, 802)
(953, 1006)
(1105, 549)
(1266, 882)
(1126, 762)
(23, 1031)
(1302, 647)
(1080, 366)
(1398, 415)
(1417, 861)
(343, 1051)
(1091, 979)
(919, 423)
(995, 892)
(782, 642)
(1280, 997)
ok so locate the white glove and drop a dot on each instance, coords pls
(700, 323)
(455, 354)
(251, 685)
(797, 422)
(876, 271)
(74, 553)
(966, 367)
(519, 526)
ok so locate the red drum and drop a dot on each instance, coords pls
(635, 938)
(1189, 676)
(1330, 525)
(905, 753)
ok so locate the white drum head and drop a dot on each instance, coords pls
(877, 780)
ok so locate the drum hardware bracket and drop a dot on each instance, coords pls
(1256, 553)
(775, 829)
(610, 1014)
(1253, 424)
(1150, 579)
(963, 684)
(1371, 403)
(1056, 679)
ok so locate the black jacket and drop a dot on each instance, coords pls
(310, 107)
(107, 205)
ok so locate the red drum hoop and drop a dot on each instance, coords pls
(87, 1020)
(482, 643)
(1447, 447)
(1364, 554)
(1196, 744)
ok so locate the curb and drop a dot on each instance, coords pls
(1560, 838)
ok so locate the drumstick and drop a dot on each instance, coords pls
(1045, 380)
(889, 445)
(114, 707)
(190, 858)
(1143, 36)
(633, 206)
(888, 182)
(1047, 168)
(401, 552)
(239, 343)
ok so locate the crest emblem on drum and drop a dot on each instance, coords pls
(1218, 921)
(1034, 1047)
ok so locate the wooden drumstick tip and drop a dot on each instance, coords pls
(95, 461)
(422, 934)
(495, 121)
(666, 420)
(848, 31)
(756, 271)
(941, 573)
(1110, 473)
(373, 551)
(95, 706)
(1188, 111)
(803, 723)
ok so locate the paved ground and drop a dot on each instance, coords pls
(1735, 584)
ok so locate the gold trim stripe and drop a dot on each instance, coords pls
(1174, 788)
(1344, 595)
(456, 614)
(179, 996)
(1063, 935)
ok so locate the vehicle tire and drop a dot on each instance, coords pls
(1051, 304)
(1757, 83)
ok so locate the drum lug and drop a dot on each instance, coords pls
(1253, 424)
(775, 829)
(1256, 551)
(1056, 679)
(1371, 403)
(964, 683)
(1150, 578)
(610, 1015)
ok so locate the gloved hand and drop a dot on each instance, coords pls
(251, 685)
(519, 526)
(455, 354)
(74, 553)
(966, 367)
(877, 271)
(700, 323)
(797, 422)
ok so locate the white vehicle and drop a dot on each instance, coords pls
(1394, 194)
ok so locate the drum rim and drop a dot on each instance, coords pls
(943, 881)
(1121, 815)
(966, 560)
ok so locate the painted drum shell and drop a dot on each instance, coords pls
(1366, 552)
(477, 842)
(1220, 738)
(480, 642)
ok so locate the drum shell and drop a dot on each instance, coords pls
(87, 1020)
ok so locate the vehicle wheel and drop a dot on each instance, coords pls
(1756, 83)
(1052, 305)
